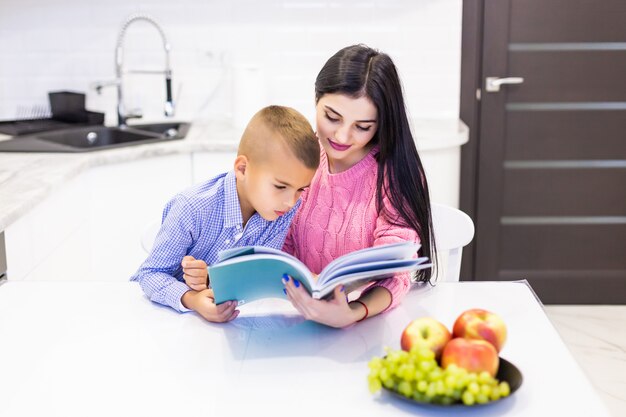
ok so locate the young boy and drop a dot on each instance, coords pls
(251, 205)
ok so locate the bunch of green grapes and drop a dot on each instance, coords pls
(417, 375)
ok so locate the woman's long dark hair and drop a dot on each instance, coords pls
(359, 71)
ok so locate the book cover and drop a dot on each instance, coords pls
(252, 272)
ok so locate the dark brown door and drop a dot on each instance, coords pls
(549, 155)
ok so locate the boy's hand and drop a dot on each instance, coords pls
(203, 302)
(195, 273)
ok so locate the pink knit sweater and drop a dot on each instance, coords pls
(338, 215)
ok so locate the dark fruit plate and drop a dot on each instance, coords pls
(506, 372)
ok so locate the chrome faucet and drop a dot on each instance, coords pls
(122, 114)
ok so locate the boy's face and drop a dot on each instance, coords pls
(273, 186)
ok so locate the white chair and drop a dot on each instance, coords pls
(148, 235)
(453, 230)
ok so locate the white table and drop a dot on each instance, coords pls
(103, 349)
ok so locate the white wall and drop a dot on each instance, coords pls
(51, 45)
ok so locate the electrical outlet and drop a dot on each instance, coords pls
(213, 58)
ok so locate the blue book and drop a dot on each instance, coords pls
(252, 272)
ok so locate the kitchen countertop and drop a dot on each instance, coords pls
(28, 178)
(103, 349)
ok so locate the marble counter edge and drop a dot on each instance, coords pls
(32, 177)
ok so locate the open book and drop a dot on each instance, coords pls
(253, 272)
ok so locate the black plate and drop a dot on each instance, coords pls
(506, 372)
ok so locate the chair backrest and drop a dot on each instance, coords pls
(453, 230)
(148, 235)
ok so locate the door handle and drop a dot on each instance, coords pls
(493, 84)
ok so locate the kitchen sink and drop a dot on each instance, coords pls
(95, 137)
(92, 138)
(174, 130)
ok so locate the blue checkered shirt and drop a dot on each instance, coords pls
(200, 222)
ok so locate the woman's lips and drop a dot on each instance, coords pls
(279, 213)
(337, 146)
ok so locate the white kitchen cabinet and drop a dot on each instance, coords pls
(208, 164)
(90, 229)
(125, 200)
(31, 240)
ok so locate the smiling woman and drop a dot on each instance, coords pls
(370, 188)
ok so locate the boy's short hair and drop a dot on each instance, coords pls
(286, 125)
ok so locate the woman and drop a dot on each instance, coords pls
(369, 189)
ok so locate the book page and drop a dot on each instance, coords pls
(356, 279)
(249, 250)
(392, 251)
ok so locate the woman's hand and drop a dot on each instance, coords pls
(335, 313)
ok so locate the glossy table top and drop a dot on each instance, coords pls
(103, 349)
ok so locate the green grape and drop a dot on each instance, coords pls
(417, 375)
(401, 371)
(447, 400)
(423, 353)
(505, 390)
(436, 374)
(427, 365)
(473, 388)
(484, 377)
(422, 386)
(405, 388)
(432, 390)
(418, 396)
(453, 369)
(409, 371)
(456, 394)
(392, 367)
(394, 356)
(375, 363)
(374, 385)
(385, 375)
(462, 381)
(468, 398)
(495, 394)
(440, 387)
(450, 381)
(482, 398)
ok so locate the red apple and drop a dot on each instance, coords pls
(426, 332)
(481, 324)
(473, 355)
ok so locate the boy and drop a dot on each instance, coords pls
(251, 205)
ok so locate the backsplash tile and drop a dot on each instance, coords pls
(70, 44)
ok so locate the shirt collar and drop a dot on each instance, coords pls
(232, 208)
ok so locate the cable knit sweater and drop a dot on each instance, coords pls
(338, 215)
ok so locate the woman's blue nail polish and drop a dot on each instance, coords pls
(286, 277)
(285, 291)
(296, 283)
(342, 288)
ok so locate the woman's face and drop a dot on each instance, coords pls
(345, 127)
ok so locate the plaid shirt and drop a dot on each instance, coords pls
(200, 222)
